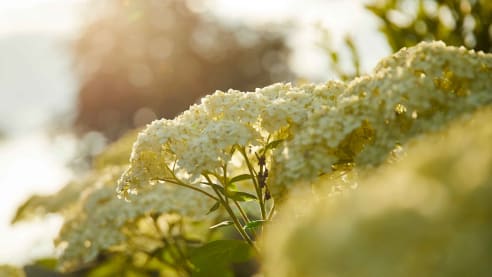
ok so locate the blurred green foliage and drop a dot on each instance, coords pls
(405, 23)
(456, 22)
(335, 58)
(217, 257)
(11, 271)
(117, 153)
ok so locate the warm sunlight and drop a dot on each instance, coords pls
(46, 16)
(245, 138)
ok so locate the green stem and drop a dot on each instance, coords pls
(244, 215)
(157, 256)
(270, 213)
(180, 183)
(234, 218)
(179, 256)
(255, 182)
(225, 184)
(241, 211)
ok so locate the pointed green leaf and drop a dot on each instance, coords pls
(46, 263)
(239, 178)
(241, 196)
(217, 187)
(214, 207)
(254, 224)
(233, 194)
(274, 143)
(221, 224)
(217, 258)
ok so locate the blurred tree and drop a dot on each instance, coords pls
(408, 22)
(143, 60)
(456, 22)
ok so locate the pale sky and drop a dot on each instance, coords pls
(339, 16)
(36, 84)
(47, 16)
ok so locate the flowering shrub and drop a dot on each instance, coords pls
(412, 92)
(236, 152)
(301, 132)
(427, 215)
(99, 223)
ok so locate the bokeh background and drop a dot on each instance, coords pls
(77, 74)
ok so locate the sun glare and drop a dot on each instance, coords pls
(48, 16)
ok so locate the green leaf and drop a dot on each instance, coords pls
(217, 257)
(269, 146)
(273, 144)
(254, 224)
(217, 187)
(46, 263)
(114, 266)
(241, 196)
(221, 224)
(232, 194)
(214, 207)
(241, 177)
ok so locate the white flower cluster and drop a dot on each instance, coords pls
(200, 140)
(414, 91)
(97, 224)
(427, 215)
(94, 217)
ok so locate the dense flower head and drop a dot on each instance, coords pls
(428, 214)
(202, 138)
(95, 220)
(97, 223)
(414, 91)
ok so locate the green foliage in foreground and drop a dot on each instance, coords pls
(216, 257)
(11, 271)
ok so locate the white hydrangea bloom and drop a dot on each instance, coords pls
(200, 139)
(213, 147)
(411, 92)
(98, 223)
(414, 91)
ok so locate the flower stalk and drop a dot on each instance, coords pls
(231, 213)
(258, 189)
